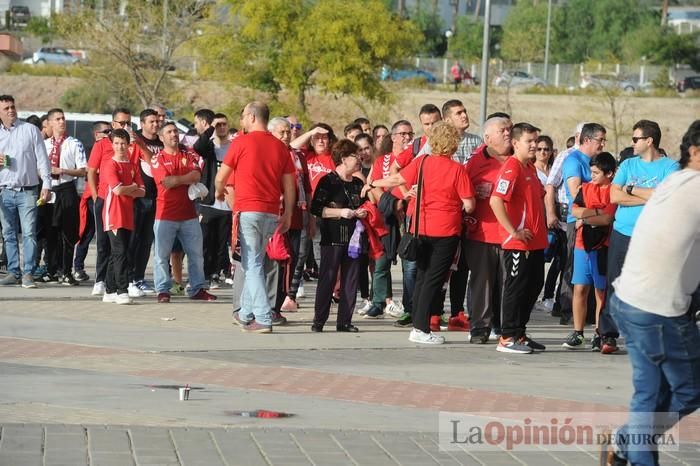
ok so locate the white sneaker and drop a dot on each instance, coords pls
(394, 309)
(418, 336)
(365, 307)
(123, 298)
(135, 291)
(300, 292)
(98, 289)
(109, 298)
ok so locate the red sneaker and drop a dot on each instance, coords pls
(459, 323)
(203, 295)
(434, 323)
(163, 298)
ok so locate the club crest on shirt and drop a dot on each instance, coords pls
(184, 160)
(502, 186)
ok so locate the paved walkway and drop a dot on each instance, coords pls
(90, 383)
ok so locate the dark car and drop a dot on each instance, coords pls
(407, 73)
(691, 82)
(20, 16)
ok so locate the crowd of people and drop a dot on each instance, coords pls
(274, 206)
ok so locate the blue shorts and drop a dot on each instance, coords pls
(586, 270)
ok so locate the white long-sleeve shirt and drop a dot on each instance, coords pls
(29, 165)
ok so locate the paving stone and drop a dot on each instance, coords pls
(109, 440)
(65, 441)
(24, 459)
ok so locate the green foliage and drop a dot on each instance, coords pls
(41, 27)
(74, 71)
(337, 46)
(88, 98)
(433, 29)
(468, 40)
(524, 32)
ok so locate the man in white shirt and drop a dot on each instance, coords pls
(651, 307)
(68, 163)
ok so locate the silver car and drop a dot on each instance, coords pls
(54, 56)
(514, 78)
(608, 81)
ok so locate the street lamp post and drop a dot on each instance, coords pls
(546, 42)
(483, 97)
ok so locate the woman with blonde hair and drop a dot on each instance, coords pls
(443, 190)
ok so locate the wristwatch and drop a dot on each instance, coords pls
(629, 189)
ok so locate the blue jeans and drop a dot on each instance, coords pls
(410, 270)
(190, 235)
(18, 208)
(254, 231)
(665, 357)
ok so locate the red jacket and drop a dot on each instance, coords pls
(375, 228)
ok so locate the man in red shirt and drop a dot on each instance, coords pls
(518, 203)
(174, 169)
(483, 246)
(259, 168)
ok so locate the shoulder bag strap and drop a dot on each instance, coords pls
(418, 195)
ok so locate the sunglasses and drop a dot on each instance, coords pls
(122, 123)
(295, 126)
(543, 149)
(636, 139)
(105, 131)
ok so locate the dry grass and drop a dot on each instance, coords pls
(557, 115)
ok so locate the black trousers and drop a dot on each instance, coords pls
(565, 292)
(555, 269)
(334, 258)
(117, 279)
(216, 228)
(617, 251)
(284, 280)
(486, 285)
(102, 241)
(63, 230)
(81, 249)
(142, 238)
(524, 272)
(459, 280)
(434, 259)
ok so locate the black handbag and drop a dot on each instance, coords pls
(410, 242)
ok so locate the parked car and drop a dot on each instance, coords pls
(608, 81)
(514, 78)
(20, 16)
(690, 82)
(54, 56)
(388, 74)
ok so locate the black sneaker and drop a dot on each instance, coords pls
(609, 345)
(375, 312)
(278, 318)
(81, 276)
(525, 340)
(479, 339)
(69, 280)
(404, 321)
(565, 320)
(50, 278)
(596, 343)
(574, 341)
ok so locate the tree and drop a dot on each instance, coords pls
(524, 32)
(337, 46)
(133, 49)
(466, 44)
(433, 29)
(42, 28)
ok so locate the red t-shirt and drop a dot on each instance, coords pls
(118, 210)
(523, 194)
(319, 165)
(174, 204)
(258, 160)
(445, 184)
(482, 170)
(101, 153)
(595, 196)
